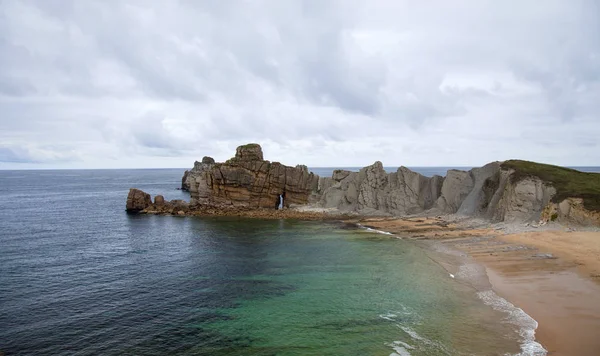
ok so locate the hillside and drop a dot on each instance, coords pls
(569, 183)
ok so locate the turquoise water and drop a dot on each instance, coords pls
(351, 292)
(82, 277)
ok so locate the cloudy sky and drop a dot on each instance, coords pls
(117, 84)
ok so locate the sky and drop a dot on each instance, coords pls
(134, 84)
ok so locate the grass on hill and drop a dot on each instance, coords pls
(569, 183)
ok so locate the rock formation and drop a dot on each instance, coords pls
(199, 167)
(373, 191)
(137, 200)
(496, 191)
(247, 180)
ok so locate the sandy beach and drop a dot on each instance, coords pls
(552, 274)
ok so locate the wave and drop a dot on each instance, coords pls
(400, 348)
(475, 275)
(374, 230)
(516, 316)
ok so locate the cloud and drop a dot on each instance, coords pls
(337, 83)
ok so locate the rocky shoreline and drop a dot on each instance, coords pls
(249, 185)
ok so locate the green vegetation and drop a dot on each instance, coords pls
(569, 183)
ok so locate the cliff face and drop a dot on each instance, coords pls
(247, 180)
(490, 192)
(372, 190)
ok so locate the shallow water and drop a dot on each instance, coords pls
(81, 277)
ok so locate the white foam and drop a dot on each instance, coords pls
(379, 231)
(373, 230)
(403, 344)
(451, 275)
(470, 271)
(400, 348)
(441, 349)
(516, 316)
(400, 351)
(388, 316)
(414, 335)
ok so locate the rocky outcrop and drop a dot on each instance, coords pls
(487, 192)
(496, 191)
(374, 191)
(248, 180)
(522, 201)
(456, 187)
(137, 200)
(199, 167)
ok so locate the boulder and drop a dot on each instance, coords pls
(137, 200)
(159, 200)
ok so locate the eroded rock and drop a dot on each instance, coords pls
(247, 180)
(137, 200)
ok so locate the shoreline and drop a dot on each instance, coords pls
(558, 287)
(529, 273)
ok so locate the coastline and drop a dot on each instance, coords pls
(528, 266)
(556, 286)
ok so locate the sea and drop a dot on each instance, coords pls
(80, 276)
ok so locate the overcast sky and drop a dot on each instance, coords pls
(118, 84)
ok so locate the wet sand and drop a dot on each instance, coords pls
(554, 276)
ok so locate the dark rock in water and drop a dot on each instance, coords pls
(138, 200)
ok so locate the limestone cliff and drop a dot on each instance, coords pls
(372, 191)
(496, 192)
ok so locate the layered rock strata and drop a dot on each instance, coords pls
(247, 181)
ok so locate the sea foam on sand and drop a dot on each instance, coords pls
(516, 316)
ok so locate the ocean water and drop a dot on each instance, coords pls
(79, 276)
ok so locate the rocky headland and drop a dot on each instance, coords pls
(510, 191)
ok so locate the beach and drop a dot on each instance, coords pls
(552, 273)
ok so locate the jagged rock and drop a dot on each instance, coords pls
(484, 186)
(497, 191)
(456, 187)
(373, 191)
(247, 180)
(573, 210)
(190, 176)
(184, 181)
(137, 200)
(250, 152)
